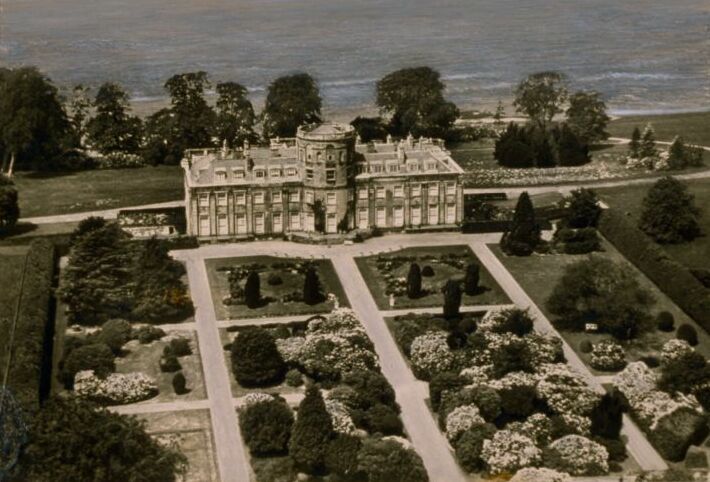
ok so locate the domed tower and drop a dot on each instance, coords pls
(326, 152)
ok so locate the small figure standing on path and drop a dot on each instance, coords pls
(391, 300)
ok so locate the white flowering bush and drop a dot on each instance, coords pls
(651, 407)
(337, 321)
(430, 354)
(580, 424)
(339, 415)
(477, 375)
(514, 379)
(540, 474)
(254, 398)
(491, 320)
(544, 348)
(593, 171)
(115, 389)
(538, 427)
(578, 455)
(566, 391)
(608, 355)
(507, 452)
(674, 349)
(461, 419)
(635, 380)
(290, 348)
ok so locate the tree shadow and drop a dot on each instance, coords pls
(47, 174)
(17, 230)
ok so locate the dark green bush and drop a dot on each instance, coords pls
(665, 321)
(180, 346)
(255, 359)
(442, 382)
(115, 333)
(384, 420)
(585, 346)
(470, 445)
(427, 271)
(688, 333)
(341, 456)
(266, 427)
(169, 364)
(95, 356)
(274, 279)
(179, 383)
(148, 334)
(294, 378)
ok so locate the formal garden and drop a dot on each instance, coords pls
(346, 421)
(416, 277)
(261, 286)
(506, 399)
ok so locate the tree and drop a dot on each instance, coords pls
(515, 321)
(34, 129)
(235, 115)
(598, 290)
(607, 415)
(635, 144)
(648, 142)
(471, 279)
(115, 333)
(684, 373)
(112, 129)
(291, 101)
(524, 233)
(383, 419)
(540, 96)
(255, 359)
(87, 225)
(414, 281)
(512, 148)
(586, 116)
(312, 293)
(669, 212)
(570, 148)
(369, 128)
(470, 445)
(266, 427)
(583, 209)
(389, 461)
(79, 111)
(341, 456)
(160, 133)
(179, 384)
(252, 290)
(311, 433)
(452, 299)
(372, 388)
(413, 98)
(95, 356)
(499, 113)
(74, 440)
(9, 207)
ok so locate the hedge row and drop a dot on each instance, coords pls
(29, 377)
(674, 279)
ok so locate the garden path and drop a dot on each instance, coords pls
(437, 310)
(636, 442)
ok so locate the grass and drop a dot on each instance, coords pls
(43, 194)
(292, 282)
(693, 126)
(538, 275)
(146, 359)
(191, 430)
(695, 254)
(490, 294)
(12, 260)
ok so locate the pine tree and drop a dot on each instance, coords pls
(452, 299)
(312, 293)
(252, 290)
(669, 212)
(524, 232)
(635, 143)
(414, 281)
(500, 112)
(677, 154)
(311, 433)
(648, 143)
(472, 278)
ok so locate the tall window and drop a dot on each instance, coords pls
(330, 199)
(241, 198)
(259, 197)
(450, 188)
(380, 192)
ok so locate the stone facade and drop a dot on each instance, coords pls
(323, 180)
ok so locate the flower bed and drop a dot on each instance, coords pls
(505, 396)
(116, 388)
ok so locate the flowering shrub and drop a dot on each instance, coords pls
(119, 160)
(544, 348)
(538, 427)
(290, 348)
(430, 354)
(461, 419)
(674, 349)
(534, 474)
(339, 415)
(635, 380)
(608, 355)
(565, 391)
(477, 374)
(514, 379)
(508, 452)
(651, 407)
(578, 455)
(116, 388)
(256, 397)
(536, 176)
(580, 424)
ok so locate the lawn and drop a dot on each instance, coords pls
(43, 194)
(290, 270)
(146, 359)
(538, 275)
(447, 262)
(191, 430)
(693, 126)
(695, 254)
(12, 260)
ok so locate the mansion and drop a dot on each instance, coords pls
(323, 180)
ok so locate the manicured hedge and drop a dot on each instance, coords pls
(674, 279)
(31, 356)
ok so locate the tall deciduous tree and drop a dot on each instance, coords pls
(73, 440)
(235, 115)
(9, 208)
(669, 212)
(541, 96)
(524, 233)
(112, 129)
(160, 133)
(34, 129)
(414, 100)
(586, 116)
(193, 118)
(311, 433)
(292, 101)
(79, 106)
